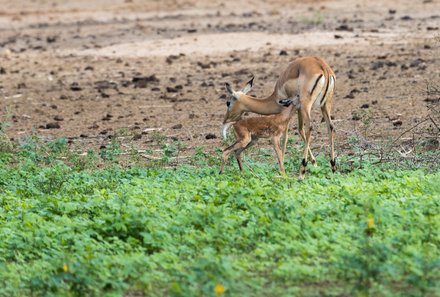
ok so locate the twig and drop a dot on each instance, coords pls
(402, 153)
(435, 124)
(160, 158)
(406, 131)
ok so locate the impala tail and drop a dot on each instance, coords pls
(225, 129)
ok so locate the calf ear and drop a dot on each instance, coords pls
(248, 86)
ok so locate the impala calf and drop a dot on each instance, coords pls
(313, 81)
(248, 131)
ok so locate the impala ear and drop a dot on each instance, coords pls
(248, 86)
(229, 89)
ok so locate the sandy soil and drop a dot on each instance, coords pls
(144, 70)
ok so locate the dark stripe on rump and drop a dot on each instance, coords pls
(316, 82)
(326, 90)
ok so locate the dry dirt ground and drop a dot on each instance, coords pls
(153, 71)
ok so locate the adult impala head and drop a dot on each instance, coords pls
(235, 106)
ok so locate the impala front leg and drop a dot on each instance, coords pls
(303, 137)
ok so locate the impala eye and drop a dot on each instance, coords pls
(228, 104)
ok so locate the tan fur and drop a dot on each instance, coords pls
(248, 131)
(299, 78)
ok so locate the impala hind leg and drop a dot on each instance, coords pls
(307, 130)
(331, 134)
(303, 137)
(239, 151)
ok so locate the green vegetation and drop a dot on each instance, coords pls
(74, 225)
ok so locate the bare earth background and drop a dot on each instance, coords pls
(90, 70)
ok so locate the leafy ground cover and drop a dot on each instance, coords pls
(71, 229)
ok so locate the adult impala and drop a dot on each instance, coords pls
(313, 81)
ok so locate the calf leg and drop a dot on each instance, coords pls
(237, 146)
(280, 156)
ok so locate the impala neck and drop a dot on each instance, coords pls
(265, 106)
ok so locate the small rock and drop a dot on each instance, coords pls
(377, 65)
(89, 68)
(2, 70)
(58, 118)
(344, 28)
(53, 125)
(338, 36)
(172, 90)
(137, 136)
(171, 58)
(416, 62)
(355, 117)
(177, 126)
(391, 64)
(103, 95)
(283, 53)
(391, 11)
(51, 39)
(397, 123)
(75, 87)
(352, 92)
(105, 84)
(365, 105)
(204, 65)
(210, 136)
(125, 83)
(143, 81)
(107, 117)
(406, 18)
